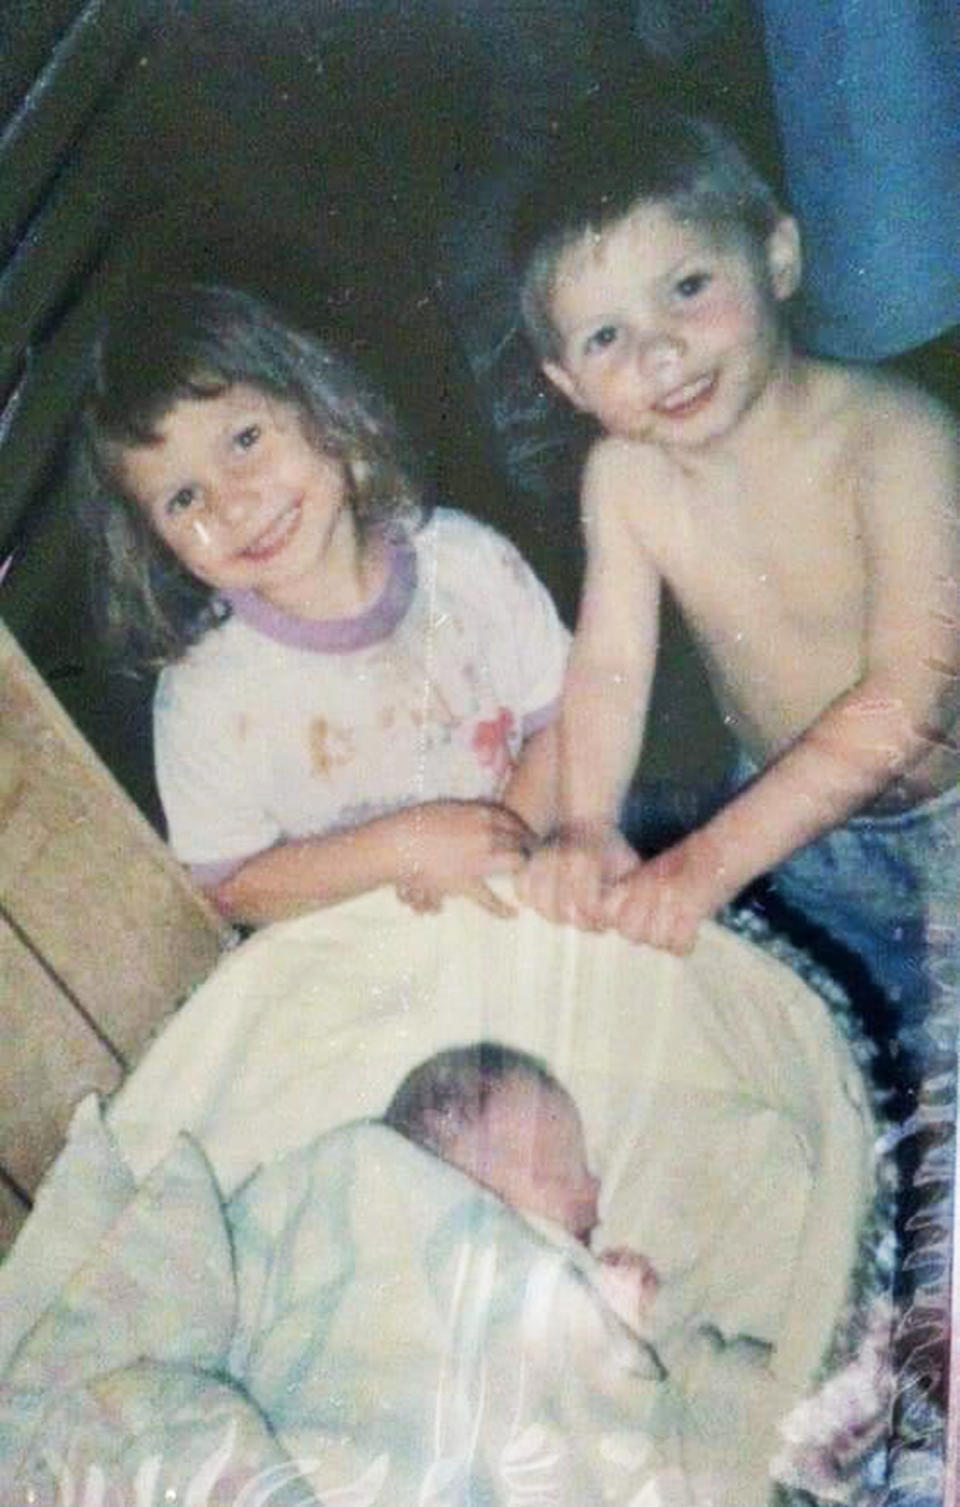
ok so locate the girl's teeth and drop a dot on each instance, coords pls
(275, 532)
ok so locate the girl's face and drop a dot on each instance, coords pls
(246, 502)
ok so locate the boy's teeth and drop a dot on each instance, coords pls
(686, 394)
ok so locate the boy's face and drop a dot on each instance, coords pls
(528, 1148)
(668, 331)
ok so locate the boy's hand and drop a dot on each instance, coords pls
(451, 847)
(665, 900)
(570, 875)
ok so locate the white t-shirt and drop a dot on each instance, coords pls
(275, 727)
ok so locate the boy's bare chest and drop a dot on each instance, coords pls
(774, 591)
(792, 555)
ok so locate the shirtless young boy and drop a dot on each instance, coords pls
(803, 513)
(501, 1117)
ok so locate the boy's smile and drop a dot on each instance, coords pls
(246, 502)
(669, 332)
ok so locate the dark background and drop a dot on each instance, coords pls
(355, 162)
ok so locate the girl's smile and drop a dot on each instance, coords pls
(276, 535)
(246, 502)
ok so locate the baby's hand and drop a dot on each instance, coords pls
(452, 847)
(629, 1283)
(663, 902)
(569, 876)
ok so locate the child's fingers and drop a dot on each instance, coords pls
(629, 909)
(512, 834)
(538, 884)
(643, 915)
(564, 887)
(504, 858)
(482, 895)
(418, 897)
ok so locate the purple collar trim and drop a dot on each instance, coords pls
(336, 635)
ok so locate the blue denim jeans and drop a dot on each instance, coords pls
(888, 889)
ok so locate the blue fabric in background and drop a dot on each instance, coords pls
(867, 96)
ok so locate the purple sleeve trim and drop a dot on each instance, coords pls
(534, 722)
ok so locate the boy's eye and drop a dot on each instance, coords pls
(246, 438)
(692, 284)
(601, 339)
(181, 501)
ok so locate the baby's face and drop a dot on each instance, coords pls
(528, 1147)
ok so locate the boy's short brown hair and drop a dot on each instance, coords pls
(606, 162)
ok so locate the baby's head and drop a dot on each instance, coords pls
(636, 227)
(501, 1117)
(191, 350)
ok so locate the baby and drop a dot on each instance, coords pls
(501, 1117)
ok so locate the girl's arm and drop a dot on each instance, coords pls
(447, 847)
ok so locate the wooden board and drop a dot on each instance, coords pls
(13, 1211)
(102, 933)
(51, 1058)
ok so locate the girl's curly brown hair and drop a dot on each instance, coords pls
(194, 342)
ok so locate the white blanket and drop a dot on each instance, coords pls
(724, 1113)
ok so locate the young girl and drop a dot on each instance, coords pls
(356, 691)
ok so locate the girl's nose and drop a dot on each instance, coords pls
(234, 501)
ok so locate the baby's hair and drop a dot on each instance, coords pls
(194, 342)
(448, 1093)
(606, 161)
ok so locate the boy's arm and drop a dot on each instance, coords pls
(605, 697)
(533, 789)
(446, 846)
(905, 703)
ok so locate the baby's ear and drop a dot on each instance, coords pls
(784, 257)
(562, 381)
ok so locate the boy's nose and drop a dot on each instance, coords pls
(662, 355)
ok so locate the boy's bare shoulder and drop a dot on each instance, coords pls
(622, 475)
(889, 411)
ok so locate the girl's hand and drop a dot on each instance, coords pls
(664, 901)
(569, 878)
(426, 901)
(452, 847)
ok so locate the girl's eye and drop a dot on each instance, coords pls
(247, 438)
(181, 501)
(692, 284)
(601, 339)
